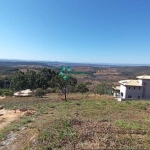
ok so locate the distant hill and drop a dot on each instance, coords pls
(56, 64)
(16, 63)
(21, 63)
(59, 64)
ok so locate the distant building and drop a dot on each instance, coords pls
(23, 93)
(133, 89)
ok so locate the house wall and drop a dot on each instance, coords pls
(123, 91)
(146, 89)
(134, 92)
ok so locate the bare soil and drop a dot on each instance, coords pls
(8, 116)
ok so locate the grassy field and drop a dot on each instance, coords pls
(84, 122)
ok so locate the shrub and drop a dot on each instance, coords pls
(104, 88)
(50, 90)
(39, 92)
(5, 92)
(1, 92)
(81, 88)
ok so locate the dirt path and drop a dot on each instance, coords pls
(8, 116)
(15, 140)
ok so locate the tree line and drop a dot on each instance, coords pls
(47, 78)
(31, 79)
(40, 80)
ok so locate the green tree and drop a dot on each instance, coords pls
(104, 88)
(30, 78)
(18, 81)
(1, 83)
(5, 83)
(62, 83)
(82, 88)
(44, 77)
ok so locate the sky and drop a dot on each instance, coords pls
(93, 31)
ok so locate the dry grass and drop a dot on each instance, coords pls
(86, 121)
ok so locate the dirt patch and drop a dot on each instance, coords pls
(2, 97)
(8, 116)
(103, 134)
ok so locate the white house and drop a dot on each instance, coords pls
(134, 89)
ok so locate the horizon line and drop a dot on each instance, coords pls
(96, 63)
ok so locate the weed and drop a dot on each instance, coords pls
(53, 106)
(143, 107)
(78, 103)
(57, 135)
(128, 125)
(128, 102)
(83, 123)
(25, 120)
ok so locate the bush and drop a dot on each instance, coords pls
(88, 83)
(5, 92)
(39, 92)
(81, 87)
(104, 88)
(1, 92)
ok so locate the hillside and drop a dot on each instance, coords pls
(84, 122)
(21, 63)
(87, 74)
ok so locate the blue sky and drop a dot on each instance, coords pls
(95, 31)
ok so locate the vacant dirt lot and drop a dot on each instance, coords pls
(83, 122)
(8, 116)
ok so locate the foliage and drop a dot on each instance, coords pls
(82, 88)
(104, 88)
(5, 83)
(62, 84)
(6, 92)
(64, 81)
(31, 79)
(18, 81)
(88, 83)
(7, 70)
(50, 90)
(39, 92)
(43, 78)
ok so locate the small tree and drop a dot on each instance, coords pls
(82, 88)
(63, 80)
(62, 84)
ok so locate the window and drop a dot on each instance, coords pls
(121, 94)
(138, 96)
(129, 96)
